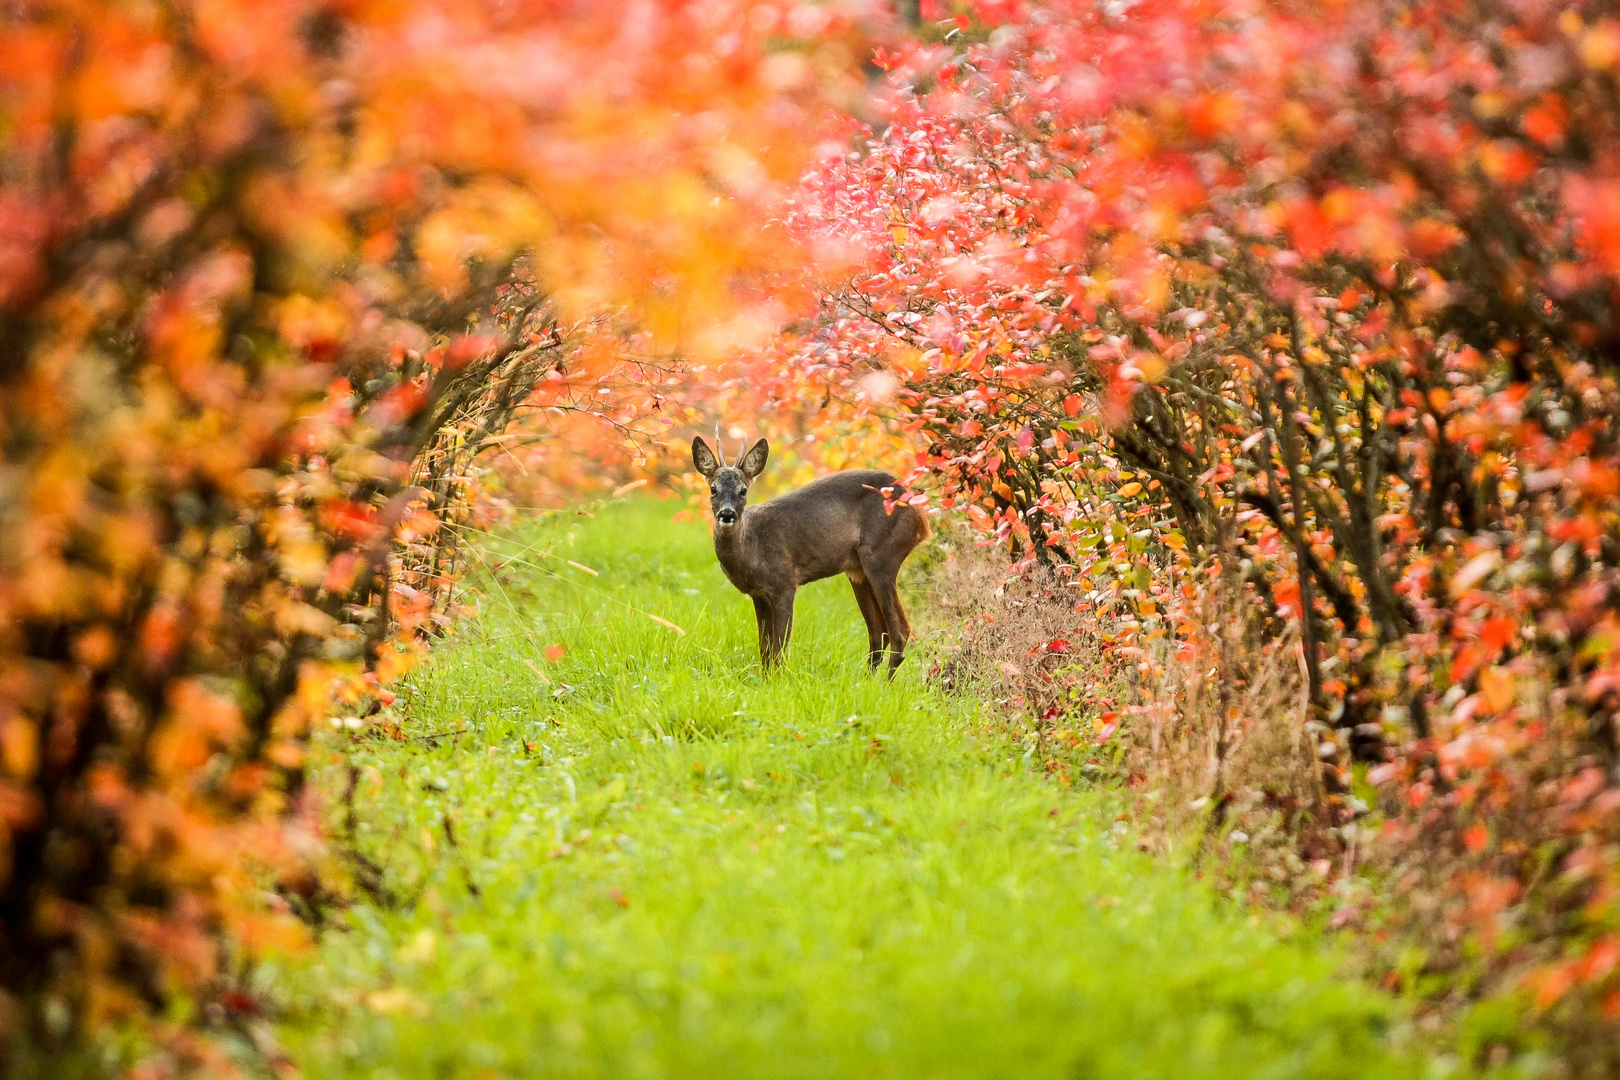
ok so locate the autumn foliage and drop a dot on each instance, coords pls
(1277, 338)
(272, 275)
(1313, 305)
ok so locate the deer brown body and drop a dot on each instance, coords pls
(839, 524)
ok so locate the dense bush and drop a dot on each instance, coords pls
(1314, 299)
(264, 297)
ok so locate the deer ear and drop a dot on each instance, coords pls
(703, 458)
(753, 462)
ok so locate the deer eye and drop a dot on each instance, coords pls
(744, 491)
(714, 491)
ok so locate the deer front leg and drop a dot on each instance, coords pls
(762, 615)
(781, 607)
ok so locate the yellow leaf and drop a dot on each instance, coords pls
(393, 1000)
(1132, 488)
(420, 948)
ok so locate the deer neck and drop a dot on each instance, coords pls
(730, 546)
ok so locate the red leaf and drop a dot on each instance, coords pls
(349, 520)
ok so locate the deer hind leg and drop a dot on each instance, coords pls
(888, 597)
(873, 615)
(882, 570)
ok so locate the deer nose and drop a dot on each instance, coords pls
(726, 516)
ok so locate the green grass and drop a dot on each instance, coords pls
(698, 871)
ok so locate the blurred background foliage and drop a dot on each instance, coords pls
(272, 276)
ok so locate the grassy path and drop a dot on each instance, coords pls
(666, 866)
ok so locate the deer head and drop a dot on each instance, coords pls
(728, 484)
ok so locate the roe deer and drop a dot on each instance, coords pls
(835, 525)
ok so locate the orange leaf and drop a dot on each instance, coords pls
(1497, 686)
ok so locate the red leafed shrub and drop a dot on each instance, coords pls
(272, 275)
(1319, 299)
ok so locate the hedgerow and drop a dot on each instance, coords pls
(1313, 307)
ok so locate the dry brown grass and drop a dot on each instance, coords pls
(1223, 752)
(1213, 749)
